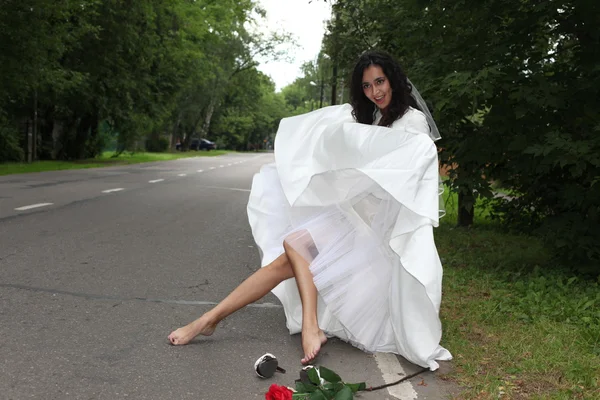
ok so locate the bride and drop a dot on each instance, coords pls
(344, 220)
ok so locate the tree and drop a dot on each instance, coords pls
(230, 48)
(144, 68)
(35, 36)
(251, 112)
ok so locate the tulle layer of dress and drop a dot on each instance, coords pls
(359, 203)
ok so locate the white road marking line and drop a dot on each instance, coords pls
(200, 170)
(156, 180)
(227, 188)
(182, 175)
(391, 371)
(221, 166)
(212, 167)
(29, 207)
(112, 190)
(228, 164)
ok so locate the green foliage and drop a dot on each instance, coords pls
(9, 143)
(514, 319)
(145, 66)
(320, 383)
(225, 76)
(250, 113)
(157, 144)
(537, 295)
(106, 159)
(311, 90)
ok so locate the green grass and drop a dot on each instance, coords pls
(519, 325)
(105, 160)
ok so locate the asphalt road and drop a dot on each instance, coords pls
(97, 266)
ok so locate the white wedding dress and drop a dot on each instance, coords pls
(359, 203)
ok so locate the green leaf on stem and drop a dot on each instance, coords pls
(355, 387)
(313, 375)
(305, 387)
(335, 387)
(329, 390)
(344, 394)
(300, 396)
(304, 378)
(329, 375)
(317, 395)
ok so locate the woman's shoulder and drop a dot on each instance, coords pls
(412, 118)
(413, 114)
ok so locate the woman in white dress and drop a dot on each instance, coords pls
(344, 220)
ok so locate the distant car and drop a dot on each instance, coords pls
(202, 144)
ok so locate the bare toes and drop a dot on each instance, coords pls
(309, 357)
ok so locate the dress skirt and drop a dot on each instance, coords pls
(359, 204)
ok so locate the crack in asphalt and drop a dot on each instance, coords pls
(118, 298)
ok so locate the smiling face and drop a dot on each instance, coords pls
(376, 86)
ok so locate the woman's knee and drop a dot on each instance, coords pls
(301, 238)
(300, 242)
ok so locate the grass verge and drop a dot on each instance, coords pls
(519, 325)
(105, 160)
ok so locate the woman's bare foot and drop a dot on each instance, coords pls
(202, 326)
(312, 340)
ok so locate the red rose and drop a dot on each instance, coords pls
(277, 392)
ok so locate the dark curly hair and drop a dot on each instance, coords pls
(363, 109)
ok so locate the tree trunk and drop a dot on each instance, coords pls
(322, 89)
(57, 132)
(466, 207)
(334, 85)
(29, 141)
(94, 124)
(82, 131)
(34, 147)
(175, 136)
(209, 113)
(45, 130)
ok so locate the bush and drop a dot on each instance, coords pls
(9, 143)
(157, 144)
(556, 196)
(221, 145)
(94, 146)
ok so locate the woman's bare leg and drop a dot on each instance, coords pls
(312, 336)
(253, 288)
